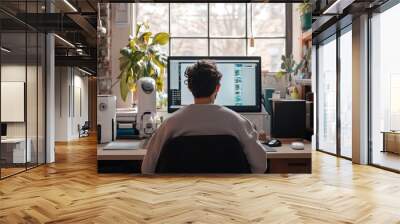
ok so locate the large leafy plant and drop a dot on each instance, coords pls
(142, 57)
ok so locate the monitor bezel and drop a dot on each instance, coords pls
(240, 109)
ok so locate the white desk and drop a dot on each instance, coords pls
(19, 155)
(284, 160)
(283, 152)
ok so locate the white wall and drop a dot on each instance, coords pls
(12, 73)
(297, 33)
(119, 39)
(33, 126)
(70, 83)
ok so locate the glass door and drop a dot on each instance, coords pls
(14, 155)
(346, 94)
(22, 77)
(326, 96)
(385, 89)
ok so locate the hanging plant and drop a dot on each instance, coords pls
(142, 57)
(305, 9)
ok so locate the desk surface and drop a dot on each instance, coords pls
(283, 152)
(13, 140)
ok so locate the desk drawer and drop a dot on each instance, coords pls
(289, 165)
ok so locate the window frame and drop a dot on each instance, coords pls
(287, 37)
(331, 35)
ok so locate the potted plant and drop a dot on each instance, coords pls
(142, 57)
(305, 9)
(304, 65)
(289, 70)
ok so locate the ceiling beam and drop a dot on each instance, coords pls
(201, 1)
(79, 61)
(86, 27)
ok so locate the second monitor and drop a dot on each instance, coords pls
(240, 83)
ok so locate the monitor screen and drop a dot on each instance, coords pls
(240, 82)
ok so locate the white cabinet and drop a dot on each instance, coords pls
(17, 145)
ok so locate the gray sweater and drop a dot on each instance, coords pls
(206, 119)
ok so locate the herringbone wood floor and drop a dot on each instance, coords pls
(70, 191)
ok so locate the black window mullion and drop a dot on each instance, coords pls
(26, 87)
(246, 29)
(169, 28)
(338, 98)
(37, 91)
(208, 29)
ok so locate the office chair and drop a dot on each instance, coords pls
(203, 154)
(84, 130)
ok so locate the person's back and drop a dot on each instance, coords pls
(206, 118)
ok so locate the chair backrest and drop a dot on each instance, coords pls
(86, 125)
(203, 154)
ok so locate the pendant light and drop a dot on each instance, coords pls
(251, 26)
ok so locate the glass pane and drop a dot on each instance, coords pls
(13, 82)
(41, 98)
(268, 20)
(189, 20)
(385, 84)
(346, 94)
(327, 97)
(189, 47)
(156, 14)
(227, 20)
(31, 98)
(271, 51)
(227, 47)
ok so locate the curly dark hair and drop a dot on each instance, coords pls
(202, 78)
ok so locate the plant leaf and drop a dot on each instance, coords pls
(151, 68)
(132, 44)
(126, 52)
(159, 83)
(161, 38)
(138, 27)
(280, 74)
(137, 56)
(123, 85)
(145, 37)
(124, 64)
(159, 61)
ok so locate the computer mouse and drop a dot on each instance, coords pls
(274, 143)
(297, 145)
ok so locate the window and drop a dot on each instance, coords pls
(22, 76)
(220, 29)
(327, 96)
(346, 93)
(385, 89)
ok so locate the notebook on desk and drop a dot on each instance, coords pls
(268, 149)
(123, 145)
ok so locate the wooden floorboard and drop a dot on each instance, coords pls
(71, 191)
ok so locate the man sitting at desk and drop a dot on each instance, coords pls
(206, 118)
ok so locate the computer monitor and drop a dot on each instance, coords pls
(3, 130)
(240, 83)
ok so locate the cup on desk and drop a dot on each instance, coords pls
(276, 95)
